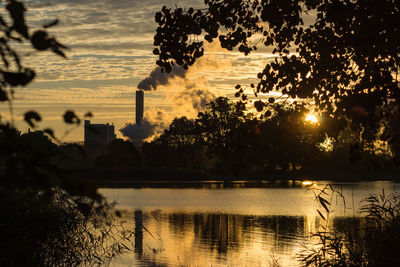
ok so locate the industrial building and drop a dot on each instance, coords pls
(139, 106)
(98, 135)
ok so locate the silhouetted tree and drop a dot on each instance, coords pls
(216, 125)
(226, 140)
(344, 59)
(181, 132)
(179, 145)
(119, 154)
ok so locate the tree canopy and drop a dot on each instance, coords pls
(224, 139)
(344, 59)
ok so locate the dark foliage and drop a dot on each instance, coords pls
(52, 228)
(345, 60)
(48, 217)
(119, 154)
(225, 139)
(372, 242)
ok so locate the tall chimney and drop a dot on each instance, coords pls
(139, 106)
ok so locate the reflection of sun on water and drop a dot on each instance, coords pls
(311, 118)
(307, 183)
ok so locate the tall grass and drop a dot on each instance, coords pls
(373, 242)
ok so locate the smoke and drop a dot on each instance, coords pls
(192, 100)
(158, 77)
(185, 90)
(154, 122)
(138, 132)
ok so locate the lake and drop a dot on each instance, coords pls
(231, 224)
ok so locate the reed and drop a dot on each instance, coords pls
(373, 242)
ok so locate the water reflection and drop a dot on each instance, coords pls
(181, 239)
(176, 239)
(139, 233)
(228, 226)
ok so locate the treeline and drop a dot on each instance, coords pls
(227, 140)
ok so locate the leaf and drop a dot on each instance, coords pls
(17, 13)
(322, 216)
(3, 95)
(19, 78)
(259, 105)
(324, 203)
(17, 60)
(2, 22)
(71, 118)
(40, 40)
(31, 117)
(59, 45)
(148, 231)
(59, 52)
(49, 132)
(88, 115)
(51, 24)
(5, 61)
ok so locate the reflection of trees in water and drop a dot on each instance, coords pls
(347, 224)
(139, 233)
(220, 234)
(224, 232)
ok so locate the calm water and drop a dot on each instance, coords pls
(235, 224)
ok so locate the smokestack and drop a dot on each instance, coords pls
(139, 106)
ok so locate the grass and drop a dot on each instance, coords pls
(374, 242)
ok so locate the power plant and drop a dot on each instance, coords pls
(98, 135)
(139, 106)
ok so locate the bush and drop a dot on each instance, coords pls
(53, 228)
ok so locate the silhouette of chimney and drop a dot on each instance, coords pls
(139, 106)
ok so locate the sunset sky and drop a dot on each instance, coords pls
(111, 45)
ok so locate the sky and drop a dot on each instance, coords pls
(111, 44)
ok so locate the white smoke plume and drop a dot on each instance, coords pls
(153, 123)
(138, 132)
(192, 100)
(186, 90)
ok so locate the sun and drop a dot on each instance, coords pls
(311, 118)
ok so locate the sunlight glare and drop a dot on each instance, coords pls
(311, 118)
(307, 183)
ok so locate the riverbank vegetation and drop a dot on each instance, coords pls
(48, 217)
(374, 241)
